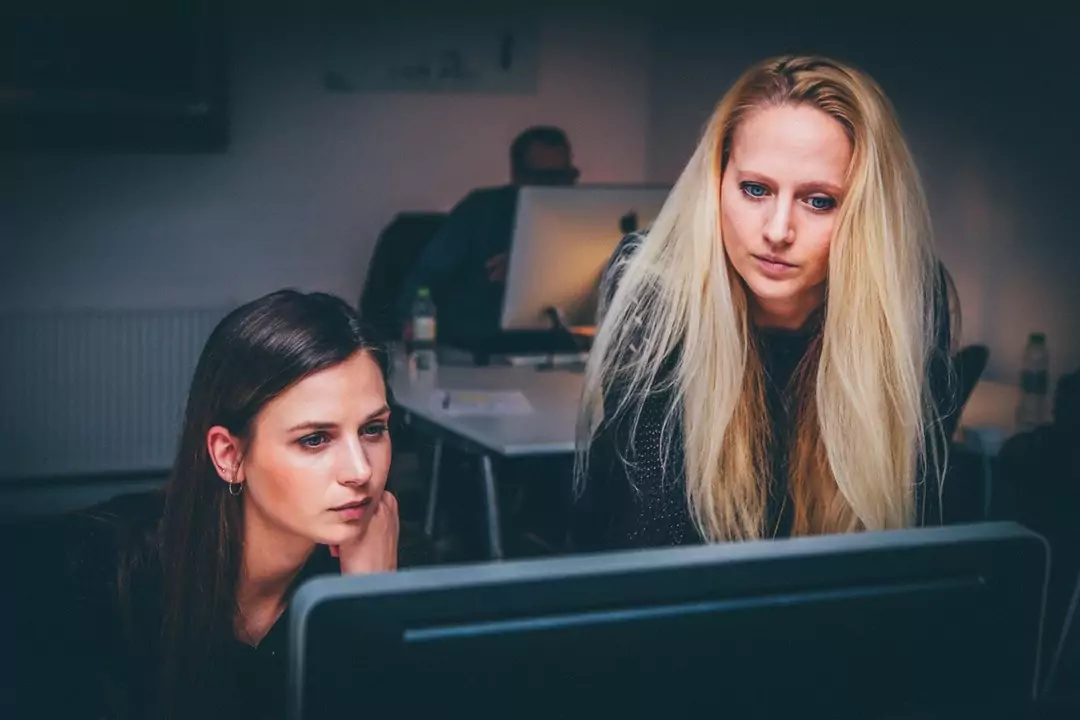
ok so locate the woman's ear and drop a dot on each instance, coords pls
(225, 453)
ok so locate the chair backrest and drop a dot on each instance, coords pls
(969, 363)
(396, 253)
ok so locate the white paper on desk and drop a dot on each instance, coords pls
(480, 403)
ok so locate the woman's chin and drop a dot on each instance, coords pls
(768, 288)
(346, 532)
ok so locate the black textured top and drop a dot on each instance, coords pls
(644, 503)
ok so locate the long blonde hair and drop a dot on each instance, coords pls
(678, 323)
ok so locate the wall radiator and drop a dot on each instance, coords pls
(95, 392)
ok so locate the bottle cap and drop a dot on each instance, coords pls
(1037, 338)
(423, 292)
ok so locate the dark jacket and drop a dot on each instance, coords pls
(644, 504)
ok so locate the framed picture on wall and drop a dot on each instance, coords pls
(381, 52)
(117, 77)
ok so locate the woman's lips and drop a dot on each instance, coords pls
(773, 267)
(353, 510)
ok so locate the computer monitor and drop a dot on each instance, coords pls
(562, 239)
(877, 625)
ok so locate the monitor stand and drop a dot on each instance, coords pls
(562, 336)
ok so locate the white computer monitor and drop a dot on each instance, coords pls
(562, 239)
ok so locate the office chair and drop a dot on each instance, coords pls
(969, 364)
(968, 489)
(396, 253)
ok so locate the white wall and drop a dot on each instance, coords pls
(990, 123)
(310, 178)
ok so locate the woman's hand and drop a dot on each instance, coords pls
(377, 549)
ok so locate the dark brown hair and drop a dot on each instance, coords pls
(254, 354)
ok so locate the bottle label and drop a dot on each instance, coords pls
(1033, 382)
(424, 329)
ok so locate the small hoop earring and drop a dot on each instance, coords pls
(235, 488)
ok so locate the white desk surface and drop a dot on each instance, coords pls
(549, 429)
(555, 397)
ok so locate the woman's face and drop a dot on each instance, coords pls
(778, 203)
(320, 454)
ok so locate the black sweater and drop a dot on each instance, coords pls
(644, 504)
(88, 655)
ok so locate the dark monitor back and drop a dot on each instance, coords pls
(876, 625)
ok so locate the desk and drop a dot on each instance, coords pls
(987, 421)
(548, 430)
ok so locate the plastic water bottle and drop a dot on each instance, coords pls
(1034, 382)
(422, 359)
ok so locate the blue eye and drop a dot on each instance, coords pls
(821, 203)
(754, 190)
(375, 430)
(314, 440)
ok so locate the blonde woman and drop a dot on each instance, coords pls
(773, 357)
